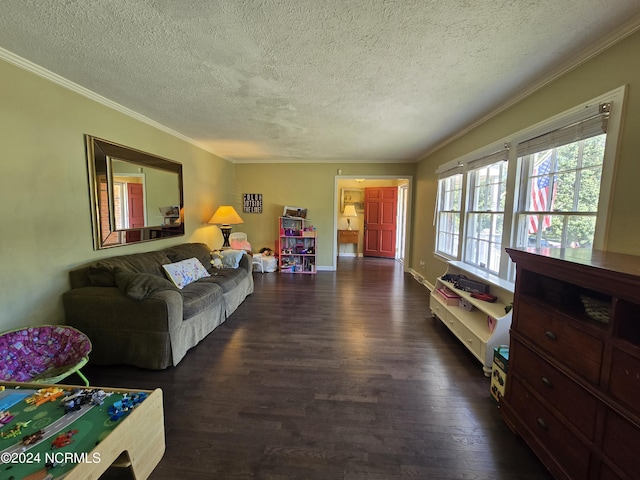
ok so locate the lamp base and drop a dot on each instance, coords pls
(226, 231)
(348, 223)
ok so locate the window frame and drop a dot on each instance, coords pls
(516, 189)
(473, 211)
(449, 175)
(580, 171)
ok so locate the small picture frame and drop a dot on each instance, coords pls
(352, 196)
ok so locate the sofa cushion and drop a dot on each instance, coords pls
(198, 296)
(189, 250)
(227, 278)
(140, 285)
(101, 273)
(185, 272)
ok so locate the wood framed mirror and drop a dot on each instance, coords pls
(135, 196)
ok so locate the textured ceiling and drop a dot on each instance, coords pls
(309, 80)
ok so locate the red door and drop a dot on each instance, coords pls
(380, 212)
(135, 197)
(135, 200)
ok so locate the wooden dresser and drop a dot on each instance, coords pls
(573, 391)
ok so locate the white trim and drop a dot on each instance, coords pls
(325, 268)
(408, 224)
(421, 279)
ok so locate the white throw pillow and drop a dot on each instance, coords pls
(185, 272)
(231, 258)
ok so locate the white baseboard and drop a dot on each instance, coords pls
(421, 279)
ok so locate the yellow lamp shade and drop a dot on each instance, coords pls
(350, 211)
(226, 215)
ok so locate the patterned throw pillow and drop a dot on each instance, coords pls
(185, 272)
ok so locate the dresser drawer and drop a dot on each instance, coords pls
(470, 340)
(441, 311)
(567, 397)
(624, 382)
(348, 236)
(578, 350)
(438, 308)
(550, 433)
(620, 443)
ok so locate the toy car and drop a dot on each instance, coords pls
(33, 438)
(63, 439)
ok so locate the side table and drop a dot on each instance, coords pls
(347, 237)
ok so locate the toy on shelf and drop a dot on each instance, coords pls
(297, 245)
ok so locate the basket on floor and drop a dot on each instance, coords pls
(43, 354)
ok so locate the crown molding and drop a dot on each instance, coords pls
(606, 42)
(31, 67)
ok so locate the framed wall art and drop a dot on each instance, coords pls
(352, 196)
(252, 202)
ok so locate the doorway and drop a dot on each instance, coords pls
(351, 189)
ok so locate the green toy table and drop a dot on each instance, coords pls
(135, 440)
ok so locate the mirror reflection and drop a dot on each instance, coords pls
(135, 196)
(143, 196)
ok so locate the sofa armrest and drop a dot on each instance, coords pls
(246, 263)
(87, 308)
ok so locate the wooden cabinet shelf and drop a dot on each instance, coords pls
(573, 391)
(483, 328)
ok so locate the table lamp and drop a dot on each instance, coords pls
(226, 216)
(349, 211)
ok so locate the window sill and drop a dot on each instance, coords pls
(483, 275)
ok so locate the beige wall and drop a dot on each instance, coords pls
(46, 225)
(311, 186)
(47, 228)
(609, 70)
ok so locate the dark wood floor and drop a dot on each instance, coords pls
(339, 375)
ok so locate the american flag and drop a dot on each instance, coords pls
(540, 194)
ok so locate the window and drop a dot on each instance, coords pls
(552, 190)
(448, 214)
(485, 216)
(559, 202)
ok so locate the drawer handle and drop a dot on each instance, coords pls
(551, 335)
(541, 423)
(547, 382)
